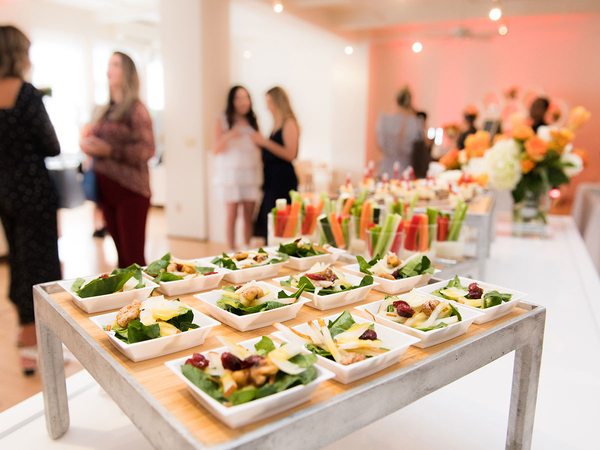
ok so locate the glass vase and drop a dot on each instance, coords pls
(530, 216)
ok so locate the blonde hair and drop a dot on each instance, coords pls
(404, 98)
(130, 89)
(282, 103)
(14, 52)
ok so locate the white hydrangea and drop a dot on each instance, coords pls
(574, 159)
(503, 164)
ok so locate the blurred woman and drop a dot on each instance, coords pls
(397, 133)
(470, 116)
(278, 152)
(122, 142)
(237, 162)
(28, 201)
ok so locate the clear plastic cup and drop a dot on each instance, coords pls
(417, 241)
(451, 246)
(327, 236)
(379, 243)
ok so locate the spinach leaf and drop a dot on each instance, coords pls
(440, 325)
(138, 332)
(285, 381)
(317, 350)
(341, 324)
(304, 251)
(165, 277)
(229, 288)
(495, 298)
(104, 286)
(264, 346)
(455, 312)
(200, 379)
(237, 308)
(416, 267)
(204, 270)
(76, 286)
(184, 321)
(157, 266)
(295, 295)
(455, 283)
(132, 268)
(309, 287)
(225, 262)
(304, 361)
(243, 396)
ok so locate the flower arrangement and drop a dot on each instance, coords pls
(475, 147)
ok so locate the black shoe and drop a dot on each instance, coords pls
(100, 233)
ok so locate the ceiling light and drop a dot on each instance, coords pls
(278, 7)
(495, 14)
(503, 30)
(417, 47)
(349, 50)
(247, 54)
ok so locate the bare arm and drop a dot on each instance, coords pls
(222, 137)
(289, 150)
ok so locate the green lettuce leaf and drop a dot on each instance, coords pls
(416, 267)
(184, 321)
(495, 298)
(138, 332)
(303, 251)
(165, 277)
(160, 265)
(341, 324)
(200, 379)
(204, 270)
(264, 346)
(104, 286)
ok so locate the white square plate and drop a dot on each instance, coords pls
(251, 321)
(492, 313)
(153, 348)
(197, 284)
(107, 302)
(392, 287)
(253, 273)
(240, 415)
(428, 338)
(324, 302)
(303, 264)
(394, 340)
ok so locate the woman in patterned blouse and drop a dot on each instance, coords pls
(28, 200)
(122, 141)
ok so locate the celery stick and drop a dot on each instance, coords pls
(401, 207)
(280, 204)
(411, 207)
(325, 228)
(389, 205)
(432, 214)
(323, 195)
(346, 230)
(456, 223)
(274, 214)
(295, 196)
(375, 233)
(388, 233)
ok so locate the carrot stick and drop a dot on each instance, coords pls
(423, 233)
(292, 222)
(336, 229)
(348, 206)
(365, 218)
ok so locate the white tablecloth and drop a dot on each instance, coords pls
(586, 212)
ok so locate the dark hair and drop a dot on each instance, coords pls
(404, 98)
(230, 111)
(544, 101)
(470, 118)
(422, 115)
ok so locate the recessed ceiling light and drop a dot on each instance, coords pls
(349, 50)
(417, 47)
(503, 30)
(247, 54)
(495, 14)
(278, 7)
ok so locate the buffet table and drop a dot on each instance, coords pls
(164, 411)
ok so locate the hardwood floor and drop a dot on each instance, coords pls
(80, 255)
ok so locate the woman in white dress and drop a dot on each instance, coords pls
(238, 169)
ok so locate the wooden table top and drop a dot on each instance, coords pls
(173, 394)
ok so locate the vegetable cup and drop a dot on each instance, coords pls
(335, 230)
(419, 236)
(451, 238)
(283, 227)
(380, 243)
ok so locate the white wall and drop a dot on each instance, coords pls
(328, 88)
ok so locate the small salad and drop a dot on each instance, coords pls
(390, 267)
(253, 298)
(419, 311)
(301, 248)
(119, 280)
(343, 340)
(474, 295)
(153, 318)
(169, 268)
(323, 279)
(239, 376)
(246, 260)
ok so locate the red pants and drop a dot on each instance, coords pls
(125, 213)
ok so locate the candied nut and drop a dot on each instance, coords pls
(241, 377)
(172, 267)
(188, 269)
(128, 313)
(386, 276)
(252, 293)
(240, 256)
(262, 370)
(393, 261)
(429, 306)
(261, 257)
(351, 358)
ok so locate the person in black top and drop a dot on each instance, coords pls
(28, 201)
(278, 152)
(537, 111)
(470, 118)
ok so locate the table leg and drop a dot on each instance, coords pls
(526, 377)
(52, 373)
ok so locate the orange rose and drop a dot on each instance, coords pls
(578, 117)
(498, 138)
(583, 155)
(450, 159)
(536, 148)
(476, 144)
(560, 139)
(527, 165)
(522, 132)
(482, 179)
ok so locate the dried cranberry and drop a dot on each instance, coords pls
(251, 361)
(369, 335)
(396, 274)
(199, 361)
(209, 273)
(104, 276)
(475, 291)
(316, 276)
(231, 362)
(403, 309)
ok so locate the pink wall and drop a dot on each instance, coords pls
(559, 53)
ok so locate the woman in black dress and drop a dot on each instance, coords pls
(28, 201)
(278, 152)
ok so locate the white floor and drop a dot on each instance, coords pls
(472, 413)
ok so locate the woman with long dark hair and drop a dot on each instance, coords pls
(122, 142)
(28, 201)
(278, 152)
(237, 173)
